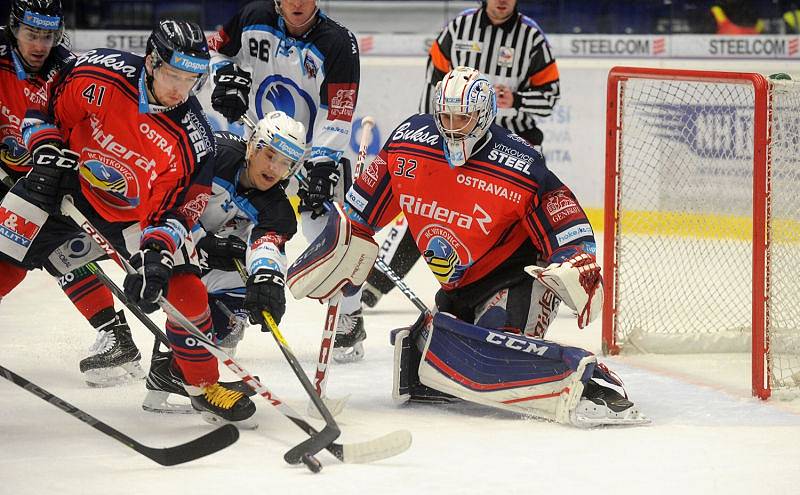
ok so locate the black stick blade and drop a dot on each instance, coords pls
(209, 443)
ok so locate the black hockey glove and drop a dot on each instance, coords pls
(322, 179)
(218, 253)
(153, 265)
(53, 175)
(265, 292)
(231, 91)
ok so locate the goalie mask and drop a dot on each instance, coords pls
(283, 141)
(181, 45)
(464, 107)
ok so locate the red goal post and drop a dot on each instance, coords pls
(702, 231)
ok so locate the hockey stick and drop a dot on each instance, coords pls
(379, 448)
(133, 308)
(209, 443)
(367, 123)
(335, 406)
(6, 179)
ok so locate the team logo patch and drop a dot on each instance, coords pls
(12, 152)
(447, 257)
(341, 101)
(112, 181)
(505, 56)
(310, 67)
(560, 207)
(16, 228)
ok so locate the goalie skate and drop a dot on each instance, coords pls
(350, 333)
(601, 405)
(114, 358)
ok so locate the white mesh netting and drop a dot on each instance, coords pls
(684, 234)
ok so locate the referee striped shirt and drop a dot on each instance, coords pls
(514, 53)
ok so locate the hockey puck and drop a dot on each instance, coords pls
(312, 463)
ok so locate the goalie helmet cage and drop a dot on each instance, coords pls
(702, 218)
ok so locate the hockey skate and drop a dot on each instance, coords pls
(350, 333)
(166, 378)
(218, 404)
(601, 405)
(230, 341)
(370, 295)
(114, 358)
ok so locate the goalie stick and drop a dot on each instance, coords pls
(209, 443)
(382, 447)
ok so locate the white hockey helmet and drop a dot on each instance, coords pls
(284, 136)
(464, 107)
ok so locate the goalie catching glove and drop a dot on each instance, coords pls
(574, 276)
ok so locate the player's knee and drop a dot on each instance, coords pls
(188, 294)
(10, 277)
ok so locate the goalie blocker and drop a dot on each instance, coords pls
(442, 357)
(338, 259)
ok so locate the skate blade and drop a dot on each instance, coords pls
(213, 419)
(156, 402)
(114, 375)
(335, 406)
(343, 355)
(599, 417)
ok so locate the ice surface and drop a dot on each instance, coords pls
(708, 435)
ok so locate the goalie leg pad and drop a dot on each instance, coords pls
(406, 386)
(498, 369)
(336, 258)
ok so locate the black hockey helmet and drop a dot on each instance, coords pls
(182, 45)
(46, 15)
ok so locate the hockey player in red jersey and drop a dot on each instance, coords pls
(507, 241)
(32, 52)
(143, 152)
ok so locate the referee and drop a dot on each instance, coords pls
(512, 51)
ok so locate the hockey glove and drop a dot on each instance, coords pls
(53, 175)
(153, 265)
(265, 292)
(218, 253)
(322, 179)
(231, 91)
(576, 280)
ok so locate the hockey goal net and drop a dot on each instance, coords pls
(702, 218)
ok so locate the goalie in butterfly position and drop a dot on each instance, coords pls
(505, 260)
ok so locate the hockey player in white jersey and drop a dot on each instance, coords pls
(288, 55)
(248, 218)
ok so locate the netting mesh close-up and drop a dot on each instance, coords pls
(684, 243)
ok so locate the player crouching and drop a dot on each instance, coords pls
(482, 206)
(248, 217)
